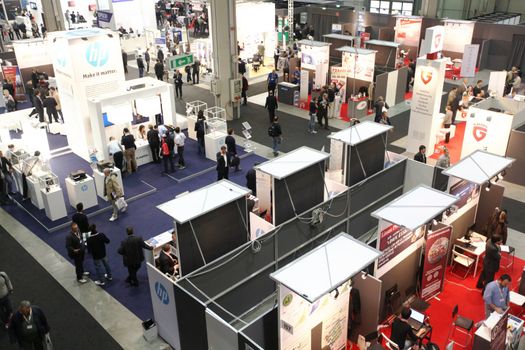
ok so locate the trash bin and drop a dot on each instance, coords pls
(149, 328)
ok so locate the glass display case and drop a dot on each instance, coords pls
(193, 107)
(48, 181)
(18, 157)
(34, 166)
(216, 126)
(215, 113)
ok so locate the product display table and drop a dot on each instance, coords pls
(82, 191)
(33, 189)
(143, 152)
(286, 92)
(192, 120)
(213, 142)
(54, 204)
(359, 105)
(476, 247)
(99, 181)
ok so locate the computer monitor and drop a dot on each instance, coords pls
(418, 316)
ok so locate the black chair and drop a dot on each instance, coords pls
(462, 325)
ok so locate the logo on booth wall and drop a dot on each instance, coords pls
(426, 76)
(84, 188)
(162, 293)
(97, 54)
(437, 40)
(361, 105)
(479, 132)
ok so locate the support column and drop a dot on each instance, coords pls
(53, 15)
(224, 39)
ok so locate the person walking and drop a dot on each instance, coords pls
(244, 91)
(223, 163)
(312, 113)
(272, 81)
(159, 70)
(231, 147)
(332, 90)
(75, 251)
(177, 79)
(132, 253)
(96, 245)
(51, 109)
(275, 132)
(271, 105)
(29, 327)
(322, 110)
(112, 191)
(140, 66)
(180, 138)
(160, 55)
(6, 289)
(128, 141)
(147, 58)
(200, 131)
(491, 262)
(447, 122)
(167, 153)
(154, 142)
(276, 55)
(125, 61)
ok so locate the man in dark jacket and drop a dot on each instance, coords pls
(159, 70)
(132, 253)
(154, 142)
(223, 164)
(140, 66)
(244, 92)
(276, 134)
(160, 55)
(200, 131)
(195, 71)
(147, 58)
(51, 109)
(231, 147)
(75, 250)
(251, 180)
(96, 245)
(177, 80)
(28, 326)
(39, 106)
(167, 264)
(490, 262)
(81, 219)
(125, 61)
(379, 105)
(271, 105)
(420, 156)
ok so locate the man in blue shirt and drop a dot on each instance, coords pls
(496, 295)
(273, 78)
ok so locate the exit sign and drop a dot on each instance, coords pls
(179, 61)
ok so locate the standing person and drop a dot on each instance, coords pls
(167, 263)
(96, 245)
(167, 153)
(147, 58)
(195, 68)
(39, 106)
(29, 327)
(241, 66)
(322, 110)
(223, 164)
(200, 131)
(420, 156)
(496, 296)
(75, 251)
(286, 69)
(177, 79)
(312, 113)
(128, 141)
(477, 88)
(6, 308)
(140, 66)
(51, 109)
(260, 51)
(501, 228)
(251, 180)
(160, 55)
(112, 191)
(56, 96)
(180, 137)
(273, 79)
(383, 119)
(231, 147)
(115, 150)
(6, 179)
(447, 122)
(444, 160)
(492, 223)
(271, 105)
(68, 19)
(276, 55)
(187, 70)
(132, 253)
(81, 220)
(159, 70)
(9, 101)
(125, 61)
(276, 133)
(379, 105)
(491, 262)
(244, 91)
(154, 142)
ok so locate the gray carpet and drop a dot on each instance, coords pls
(516, 213)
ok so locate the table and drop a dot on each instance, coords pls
(99, 181)
(54, 204)
(143, 152)
(476, 247)
(286, 92)
(82, 191)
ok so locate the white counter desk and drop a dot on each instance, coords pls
(82, 191)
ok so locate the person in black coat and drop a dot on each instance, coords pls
(96, 245)
(125, 61)
(177, 79)
(251, 180)
(39, 106)
(200, 131)
(6, 179)
(28, 326)
(223, 164)
(81, 219)
(420, 156)
(271, 105)
(154, 142)
(132, 253)
(167, 263)
(491, 262)
(51, 109)
(160, 55)
(75, 250)
(159, 70)
(232, 150)
(379, 105)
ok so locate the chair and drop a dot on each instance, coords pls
(509, 258)
(460, 260)
(462, 325)
(390, 345)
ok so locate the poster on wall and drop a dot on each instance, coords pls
(363, 65)
(322, 324)
(338, 75)
(469, 61)
(435, 263)
(408, 31)
(465, 190)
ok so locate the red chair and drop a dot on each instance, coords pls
(462, 325)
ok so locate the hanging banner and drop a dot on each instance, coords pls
(20, 91)
(435, 262)
(469, 62)
(10, 75)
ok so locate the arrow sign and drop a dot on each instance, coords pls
(179, 61)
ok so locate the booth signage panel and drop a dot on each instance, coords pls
(32, 53)
(179, 61)
(104, 16)
(435, 263)
(303, 89)
(363, 64)
(457, 35)
(338, 75)
(465, 190)
(433, 42)
(258, 226)
(306, 326)
(408, 31)
(498, 333)
(497, 82)
(469, 61)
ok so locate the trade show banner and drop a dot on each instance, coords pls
(457, 34)
(435, 263)
(408, 31)
(470, 59)
(322, 324)
(338, 75)
(263, 183)
(363, 64)
(497, 82)
(498, 333)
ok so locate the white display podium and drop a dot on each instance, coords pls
(82, 191)
(99, 181)
(33, 188)
(192, 120)
(143, 153)
(213, 143)
(54, 203)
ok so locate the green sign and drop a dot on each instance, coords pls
(179, 61)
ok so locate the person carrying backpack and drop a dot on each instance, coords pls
(166, 152)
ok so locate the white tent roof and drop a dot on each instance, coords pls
(479, 167)
(416, 207)
(292, 162)
(326, 267)
(360, 132)
(339, 36)
(352, 49)
(203, 200)
(382, 43)
(313, 43)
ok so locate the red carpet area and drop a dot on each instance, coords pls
(455, 144)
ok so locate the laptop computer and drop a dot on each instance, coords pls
(416, 320)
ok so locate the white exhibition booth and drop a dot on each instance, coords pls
(408, 33)
(134, 103)
(255, 24)
(314, 293)
(136, 14)
(315, 57)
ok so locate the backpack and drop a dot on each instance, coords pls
(271, 131)
(165, 148)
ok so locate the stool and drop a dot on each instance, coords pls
(510, 262)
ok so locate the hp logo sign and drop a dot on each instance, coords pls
(84, 188)
(97, 54)
(162, 293)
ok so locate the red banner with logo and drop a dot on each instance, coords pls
(10, 75)
(436, 251)
(392, 241)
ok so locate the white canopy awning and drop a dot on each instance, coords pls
(203, 200)
(352, 49)
(383, 43)
(292, 162)
(359, 133)
(416, 207)
(313, 43)
(479, 167)
(339, 36)
(326, 267)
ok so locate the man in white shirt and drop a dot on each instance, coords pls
(179, 142)
(115, 150)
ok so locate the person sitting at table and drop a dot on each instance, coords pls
(490, 262)
(402, 333)
(167, 263)
(496, 296)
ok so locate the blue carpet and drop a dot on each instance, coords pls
(142, 214)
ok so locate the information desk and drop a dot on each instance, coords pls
(100, 178)
(157, 243)
(82, 191)
(475, 246)
(143, 152)
(286, 92)
(357, 107)
(54, 204)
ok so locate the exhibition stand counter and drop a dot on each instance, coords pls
(288, 93)
(358, 65)
(387, 52)
(82, 191)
